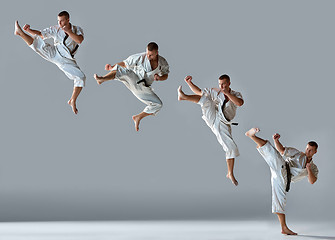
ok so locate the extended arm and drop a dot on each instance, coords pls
(278, 145)
(311, 177)
(193, 87)
(33, 32)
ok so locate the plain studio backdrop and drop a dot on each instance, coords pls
(55, 165)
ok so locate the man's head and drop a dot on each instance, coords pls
(63, 18)
(311, 149)
(152, 51)
(224, 82)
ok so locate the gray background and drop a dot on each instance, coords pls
(94, 166)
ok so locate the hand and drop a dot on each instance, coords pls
(225, 91)
(67, 28)
(188, 79)
(108, 67)
(276, 136)
(26, 27)
(157, 77)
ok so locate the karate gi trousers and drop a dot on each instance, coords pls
(68, 66)
(278, 176)
(215, 120)
(145, 94)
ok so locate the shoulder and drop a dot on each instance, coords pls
(237, 94)
(162, 60)
(137, 55)
(77, 28)
(314, 165)
(291, 152)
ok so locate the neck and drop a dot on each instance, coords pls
(154, 60)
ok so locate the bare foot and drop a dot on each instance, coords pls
(99, 79)
(252, 132)
(136, 120)
(73, 105)
(232, 178)
(108, 67)
(18, 29)
(181, 94)
(287, 231)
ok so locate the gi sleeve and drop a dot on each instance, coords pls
(133, 60)
(290, 152)
(165, 69)
(239, 95)
(49, 32)
(79, 31)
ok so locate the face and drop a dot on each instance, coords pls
(310, 151)
(152, 55)
(63, 21)
(224, 84)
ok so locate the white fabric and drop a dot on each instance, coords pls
(143, 93)
(297, 161)
(278, 176)
(211, 103)
(67, 65)
(140, 64)
(58, 36)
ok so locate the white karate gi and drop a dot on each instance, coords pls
(220, 123)
(60, 54)
(137, 68)
(297, 161)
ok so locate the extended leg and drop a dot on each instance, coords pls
(252, 134)
(191, 98)
(284, 228)
(73, 100)
(230, 174)
(18, 31)
(107, 77)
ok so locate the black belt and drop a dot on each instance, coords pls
(222, 108)
(75, 48)
(145, 82)
(288, 174)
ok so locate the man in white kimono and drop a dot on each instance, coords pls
(138, 72)
(66, 42)
(286, 164)
(218, 107)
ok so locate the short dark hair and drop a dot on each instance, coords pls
(313, 144)
(224, 76)
(152, 46)
(64, 13)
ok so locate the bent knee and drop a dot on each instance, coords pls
(159, 105)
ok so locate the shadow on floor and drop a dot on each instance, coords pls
(316, 237)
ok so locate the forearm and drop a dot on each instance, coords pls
(163, 78)
(237, 101)
(77, 38)
(311, 178)
(122, 64)
(34, 32)
(279, 146)
(194, 88)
